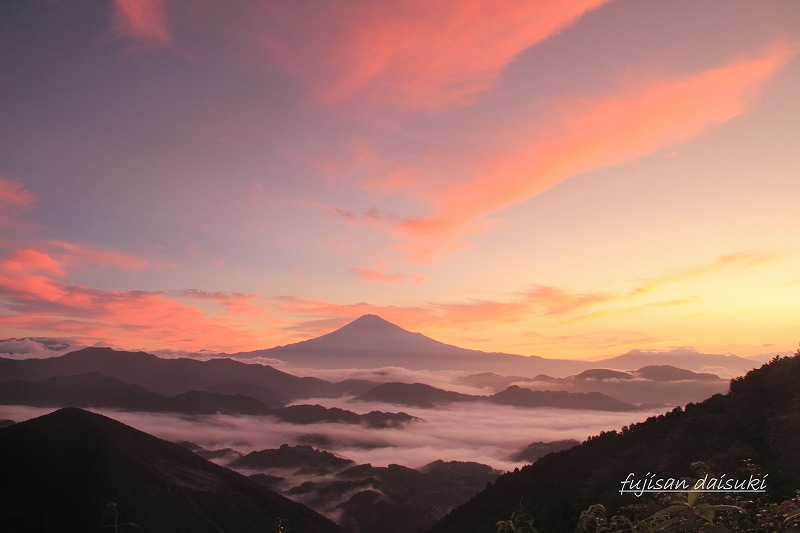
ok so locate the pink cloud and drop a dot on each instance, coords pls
(86, 257)
(582, 134)
(371, 218)
(14, 198)
(29, 272)
(378, 274)
(235, 303)
(36, 298)
(144, 21)
(417, 55)
(13, 194)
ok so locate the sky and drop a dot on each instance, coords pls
(570, 179)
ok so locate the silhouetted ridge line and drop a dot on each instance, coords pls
(61, 471)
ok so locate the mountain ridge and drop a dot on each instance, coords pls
(72, 470)
(370, 341)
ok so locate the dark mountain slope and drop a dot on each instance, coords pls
(173, 376)
(651, 385)
(303, 457)
(96, 390)
(312, 414)
(522, 397)
(60, 472)
(365, 498)
(421, 395)
(416, 394)
(755, 422)
(671, 373)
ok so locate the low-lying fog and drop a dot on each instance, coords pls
(465, 431)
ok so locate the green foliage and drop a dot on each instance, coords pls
(521, 522)
(695, 512)
(280, 525)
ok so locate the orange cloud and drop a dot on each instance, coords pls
(536, 306)
(738, 260)
(144, 21)
(583, 135)
(418, 55)
(36, 298)
(555, 301)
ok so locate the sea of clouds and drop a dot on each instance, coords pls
(478, 432)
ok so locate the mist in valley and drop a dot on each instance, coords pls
(487, 434)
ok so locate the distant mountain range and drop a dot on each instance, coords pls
(649, 386)
(421, 395)
(75, 471)
(681, 358)
(96, 390)
(227, 385)
(369, 342)
(372, 342)
(176, 376)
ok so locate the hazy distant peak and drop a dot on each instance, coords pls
(371, 319)
(372, 322)
(103, 352)
(372, 334)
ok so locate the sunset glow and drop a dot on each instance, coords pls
(571, 179)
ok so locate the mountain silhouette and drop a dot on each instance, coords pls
(372, 342)
(681, 358)
(522, 397)
(414, 394)
(73, 471)
(366, 498)
(671, 373)
(656, 386)
(425, 396)
(96, 390)
(176, 376)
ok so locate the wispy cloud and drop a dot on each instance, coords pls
(14, 200)
(536, 306)
(89, 257)
(378, 273)
(583, 134)
(415, 55)
(143, 21)
(14, 194)
(735, 261)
